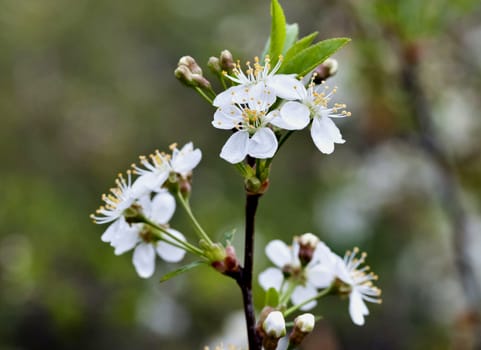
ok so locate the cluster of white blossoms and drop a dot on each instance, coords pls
(139, 212)
(308, 267)
(263, 102)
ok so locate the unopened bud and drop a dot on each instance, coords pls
(226, 61)
(273, 328)
(275, 325)
(305, 322)
(325, 70)
(307, 245)
(309, 240)
(303, 325)
(201, 81)
(184, 75)
(190, 63)
(214, 65)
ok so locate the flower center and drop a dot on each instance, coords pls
(252, 119)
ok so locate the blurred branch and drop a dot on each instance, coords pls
(450, 188)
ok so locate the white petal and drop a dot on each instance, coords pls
(292, 116)
(296, 115)
(263, 144)
(240, 93)
(279, 253)
(261, 97)
(126, 239)
(144, 260)
(332, 130)
(163, 207)
(186, 159)
(225, 97)
(110, 232)
(149, 182)
(145, 203)
(271, 278)
(357, 308)
(321, 137)
(287, 86)
(320, 276)
(126, 236)
(227, 117)
(235, 149)
(167, 251)
(301, 294)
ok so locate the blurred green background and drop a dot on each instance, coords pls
(87, 86)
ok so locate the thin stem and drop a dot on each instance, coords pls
(285, 296)
(321, 294)
(185, 204)
(222, 81)
(203, 94)
(178, 242)
(252, 201)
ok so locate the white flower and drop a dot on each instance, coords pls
(275, 325)
(287, 260)
(358, 280)
(305, 322)
(186, 159)
(158, 169)
(257, 81)
(313, 104)
(116, 202)
(252, 137)
(154, 175)
(124, 237)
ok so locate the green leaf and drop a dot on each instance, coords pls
(278, 32)
(300, 45)
(308, 59)
(181, 270)
(272, 297)
(292, 32)
(228, 237)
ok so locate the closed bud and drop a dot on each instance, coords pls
(226, 61)
(214, 65)
(274, 325)
(325, 70)
(303, 325)
(274, 328)
(184, 75)
(307, 245)
(190, 63)
(201, 81)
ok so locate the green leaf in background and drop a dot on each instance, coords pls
(278, 32)
(292, 32)
(300, 45)
(181, 270)
(272, 297)
(308, 59)
(228, 237)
